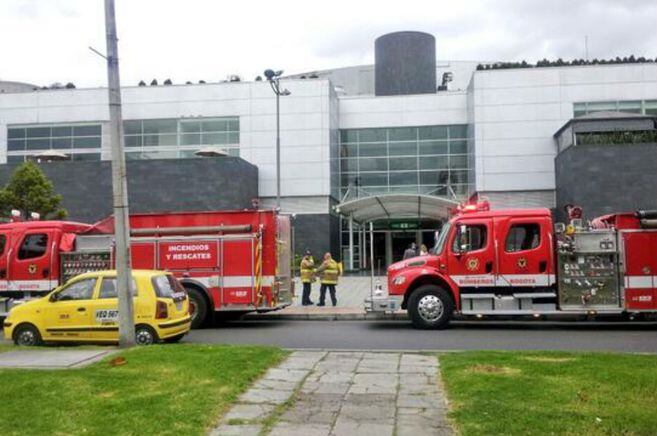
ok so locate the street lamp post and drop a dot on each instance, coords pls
(273, 78)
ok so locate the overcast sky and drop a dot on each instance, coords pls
(45, 41)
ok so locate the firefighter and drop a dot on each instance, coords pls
(328, 272)
(307, 277)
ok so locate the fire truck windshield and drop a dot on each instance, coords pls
(440, 242)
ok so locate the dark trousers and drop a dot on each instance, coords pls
(322, 294)
(305, 296)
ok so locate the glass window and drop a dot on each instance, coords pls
(160, 126)
(61, 143)
(372, 164)
(214, 138)
(234, 124)
(434, 177)
(403, 163)
(155, 140)
(15, 144)
(433, 162)
(433, 132)
(350, 164)
(630, 106)
(233, 137)
(190, 139)
(372, 149)
(458, 161)
(403, 134)
(38, 144)
(214, 126)
(470, 238)
(458, 147)
(348, 136)
(190, 127)
(373, 179)
(523, 237)
(85, 156)
(404, 178)
(456, 177)
(234, 151)
(600, 106)
(349, 150)
(458, 131)
(166, 286)
(133, 141)
(434, 147)
(15, 133)
(91, 130)
(108, 288)
(33, 246)
(3, 244)
(80, 290)
(372, 135)
(403, 148)
(90, 142)
(62, 131)
(38, 132)
(132, 127)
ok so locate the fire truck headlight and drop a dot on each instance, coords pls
(399, 280)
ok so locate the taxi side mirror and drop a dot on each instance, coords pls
(53, 297)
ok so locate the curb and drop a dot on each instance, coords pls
(326, 316)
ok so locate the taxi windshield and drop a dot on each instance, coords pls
(440, 242)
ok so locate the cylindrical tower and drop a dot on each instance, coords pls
(405, 63)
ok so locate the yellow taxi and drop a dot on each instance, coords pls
(85, 309)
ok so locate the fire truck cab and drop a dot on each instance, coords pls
(518, 262)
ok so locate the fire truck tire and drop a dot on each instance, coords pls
(430, 308)
(199, 306)
(27, 335)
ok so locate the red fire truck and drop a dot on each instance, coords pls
(230, 262)
(519, 262)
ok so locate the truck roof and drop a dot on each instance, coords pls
(535, 212)
(66, 226)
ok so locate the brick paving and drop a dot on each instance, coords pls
(318, 393)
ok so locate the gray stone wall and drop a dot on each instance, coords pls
(607, 178)
(153, 185)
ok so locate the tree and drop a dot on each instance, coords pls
(29, 190)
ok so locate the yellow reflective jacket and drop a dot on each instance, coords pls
(307, 269)
(329, 272)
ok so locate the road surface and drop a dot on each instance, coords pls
(472, 335)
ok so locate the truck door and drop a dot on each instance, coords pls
(524, 252)
(471, 260)
(5, 247)
(31, 266)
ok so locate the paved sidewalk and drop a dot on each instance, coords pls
(51, 359)
(317, 393)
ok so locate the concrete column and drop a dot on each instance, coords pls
(388, 248)
(361, 250)
(418, 239)
(351, 243)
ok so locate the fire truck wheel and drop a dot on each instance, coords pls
(27, 335)
(430, 307)
(198, 306)
(144, 335)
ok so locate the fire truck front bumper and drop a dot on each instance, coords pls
(383, 303)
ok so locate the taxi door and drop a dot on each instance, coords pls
(67, 315)
(471, 259)
(104, 310)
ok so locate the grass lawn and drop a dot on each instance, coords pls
(162, 389)
(521, 393)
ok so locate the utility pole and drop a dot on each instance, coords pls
(273, 79)
(119, 185)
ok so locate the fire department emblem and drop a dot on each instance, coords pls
(522, 262)
(32, 269)
(473, 264)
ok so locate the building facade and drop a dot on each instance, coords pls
(345, 148)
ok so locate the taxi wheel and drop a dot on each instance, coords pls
(27, 335)
(144, 335)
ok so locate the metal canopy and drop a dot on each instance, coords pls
(375, 207)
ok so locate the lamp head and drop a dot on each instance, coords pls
(269, 74)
